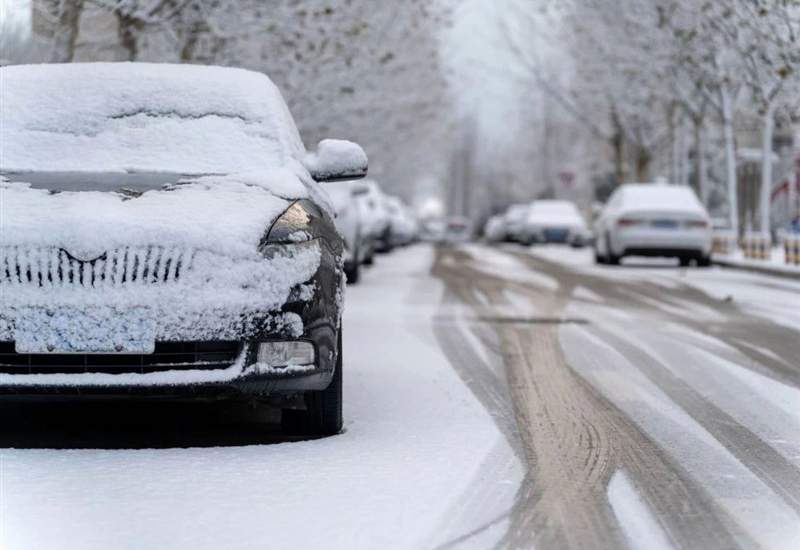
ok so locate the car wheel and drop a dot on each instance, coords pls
(599, 258)
(685, 261)
(323, 413)
(613, 259)
(704, 261)
(370, 259)
(353, 273)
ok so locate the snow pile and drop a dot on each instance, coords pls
(143, 117)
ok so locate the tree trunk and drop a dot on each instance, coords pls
(618, 145)
(643, 159)
(766, 169)
(730, 158)
(128, 32)
(700, 160)
(674, 168)
(66, 31)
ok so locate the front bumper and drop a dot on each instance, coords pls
(311, 312)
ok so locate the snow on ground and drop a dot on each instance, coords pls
(747, 289)
(776, 261)
(416, 444)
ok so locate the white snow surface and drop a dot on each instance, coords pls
(336, 157)
(121, 117)
(660, 197)
(409, 471)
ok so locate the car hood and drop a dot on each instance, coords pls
(225, 214)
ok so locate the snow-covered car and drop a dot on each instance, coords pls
(162, 234)
(351, 224)
(403, 226)
(653, 220)
(555, 221)
(494, 230)
(515, 222)
(372, 203)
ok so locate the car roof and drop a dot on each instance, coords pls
(96, 115)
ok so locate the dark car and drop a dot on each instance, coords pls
(163, 234)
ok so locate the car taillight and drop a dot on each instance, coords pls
(627, 222)
(696, 224)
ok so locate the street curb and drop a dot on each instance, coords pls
(757, 269)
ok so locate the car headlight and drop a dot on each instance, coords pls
(300, 222)
(301, 226)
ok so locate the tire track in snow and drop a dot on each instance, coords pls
(576, 440)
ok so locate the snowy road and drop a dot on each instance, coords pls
(495, 398)
(659, 407)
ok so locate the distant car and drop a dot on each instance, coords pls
(351, 224)
(403, 227)
(555, 221)
(458, 229)
(375, 218)
(495, 229)
(515, 222)
(163, 236)
(653, 220)
(373, 202)
(432, 229)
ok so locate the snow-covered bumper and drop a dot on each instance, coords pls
(169, 323)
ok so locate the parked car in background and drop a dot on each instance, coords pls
(494, 230)
(146, 259)
(653, 220)
(351, 224)
(403, 227)
(375, 218)
(555, 221)
(515, 222)
(432, 229)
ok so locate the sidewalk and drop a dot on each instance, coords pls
(774, 266)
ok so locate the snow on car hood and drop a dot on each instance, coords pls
(186, 258)
(226, 214)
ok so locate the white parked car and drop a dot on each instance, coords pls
(495, 229)
(373, 214)
(403, 227)
(653, 220)
(515, 221)
(555, 221)
(351, 224)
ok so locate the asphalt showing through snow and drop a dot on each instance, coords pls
(649, 411)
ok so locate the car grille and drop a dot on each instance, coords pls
(168, 356)
(55, 267)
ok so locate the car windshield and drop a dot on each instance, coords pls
(106, 118)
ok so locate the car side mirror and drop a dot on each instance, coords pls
(337, 160)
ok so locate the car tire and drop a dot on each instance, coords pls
(613, 259)
(370, 259)
(685, 261)
(704, 261)
(353, 273)
(323, 413)
(599, 258)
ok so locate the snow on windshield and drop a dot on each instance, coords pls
(114, 117)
